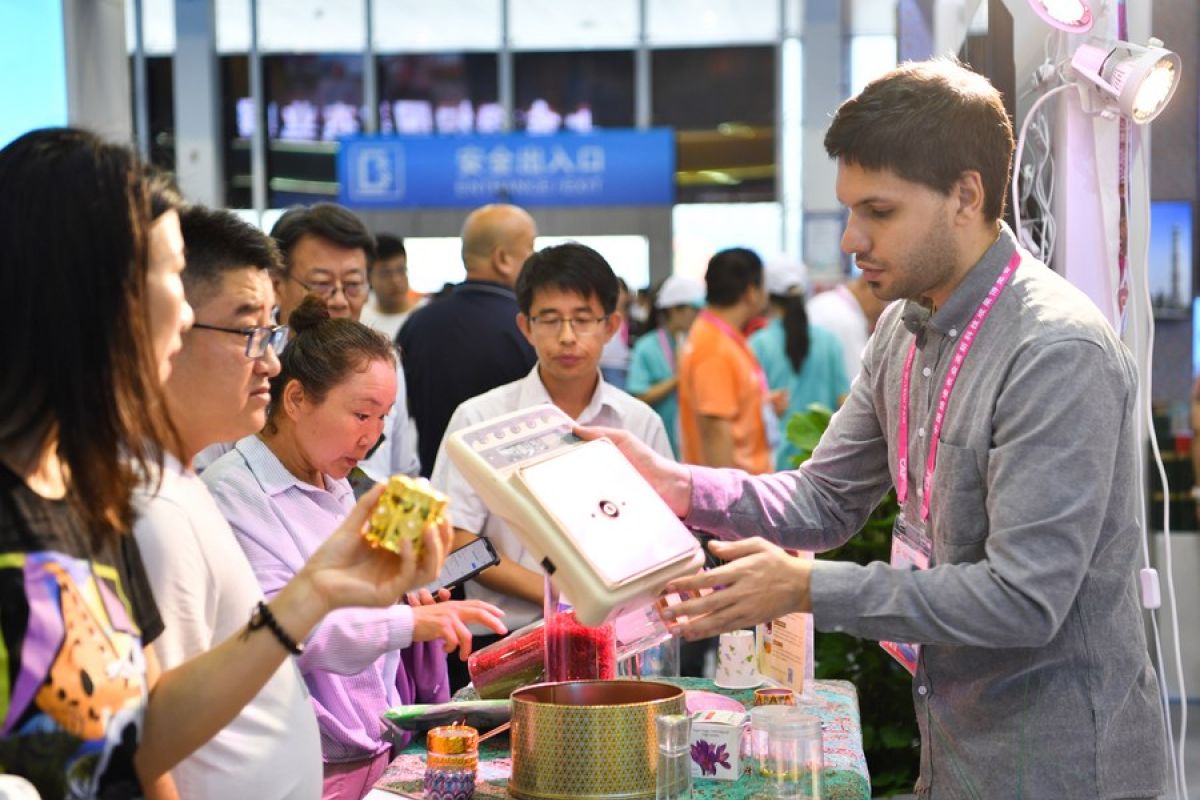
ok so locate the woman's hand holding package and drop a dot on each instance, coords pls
(347, 571)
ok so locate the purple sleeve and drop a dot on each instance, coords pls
(422, 676)
(349, 640)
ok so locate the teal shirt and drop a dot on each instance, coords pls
(649, 364)
(821, 379)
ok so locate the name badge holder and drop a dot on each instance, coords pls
(911, 550)
(911, 545)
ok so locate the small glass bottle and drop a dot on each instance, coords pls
(673, 778)
(574, 651)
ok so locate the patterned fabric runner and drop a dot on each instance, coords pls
(834, 702)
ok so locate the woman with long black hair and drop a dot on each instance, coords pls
(91, 256)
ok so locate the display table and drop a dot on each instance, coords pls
(834, 702)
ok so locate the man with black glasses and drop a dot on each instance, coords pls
(203, 585)
(327, 251)
(567, 296)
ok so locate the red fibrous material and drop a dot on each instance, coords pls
(575, 652)
(516, 660)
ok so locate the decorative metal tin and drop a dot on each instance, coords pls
(588, 739)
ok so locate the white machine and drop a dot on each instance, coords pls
(607, 540)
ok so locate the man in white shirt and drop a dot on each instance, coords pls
(850, 312)
(202, 583)
(392, 298)
(567, 296)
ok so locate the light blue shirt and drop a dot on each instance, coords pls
(650, 363)
(821, 379)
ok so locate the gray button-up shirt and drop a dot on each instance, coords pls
(1034, 679)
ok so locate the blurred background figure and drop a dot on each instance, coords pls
(392, 297)
(849, 311)
(473, 328)
(800, 359)
(654, 362)
(614, 361)
(725, 408)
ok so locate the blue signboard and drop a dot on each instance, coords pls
(604, 168)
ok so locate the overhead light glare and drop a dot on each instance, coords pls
(1072, 16)
(1137, 81)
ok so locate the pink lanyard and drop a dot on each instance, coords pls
(668, 351)
(725, 328)
(960, 354)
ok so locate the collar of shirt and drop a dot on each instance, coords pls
(274, 477)
(962, 304)
(487, 287)
(533, 392)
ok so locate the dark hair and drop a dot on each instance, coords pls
(322, 351)
(327, 221)
(388, 247)
(928, 122)
(795, 327)
(80, 369)
(217, 242)
(570, 267)
(730, 273)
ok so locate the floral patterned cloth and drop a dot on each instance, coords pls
(834, 702)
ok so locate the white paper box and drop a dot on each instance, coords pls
(716, 745)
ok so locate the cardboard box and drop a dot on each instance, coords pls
(716, 745)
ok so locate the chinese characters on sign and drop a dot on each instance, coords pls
(603, 168)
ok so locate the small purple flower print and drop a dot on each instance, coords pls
(708, 757)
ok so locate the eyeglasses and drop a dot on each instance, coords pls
(257, 339)
(351, 290)
(582, 326)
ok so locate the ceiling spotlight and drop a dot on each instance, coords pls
(1137, 81)
(1072, 16)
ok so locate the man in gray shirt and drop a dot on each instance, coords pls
(999, 402)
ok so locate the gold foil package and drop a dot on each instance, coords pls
(406, 507)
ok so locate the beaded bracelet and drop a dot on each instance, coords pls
(261, 617)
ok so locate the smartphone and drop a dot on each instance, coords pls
(465, 563)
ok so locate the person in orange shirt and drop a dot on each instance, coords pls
(722, 388)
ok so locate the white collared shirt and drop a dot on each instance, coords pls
(609, 407)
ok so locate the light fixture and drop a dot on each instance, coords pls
(1072, 16)
(1135, 80)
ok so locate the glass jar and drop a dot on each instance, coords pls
(517, 660)
(574, 651)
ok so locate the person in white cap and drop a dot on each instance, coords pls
(653, 366)
(803, 359)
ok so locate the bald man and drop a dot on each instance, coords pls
(467, 343)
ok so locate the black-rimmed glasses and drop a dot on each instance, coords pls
(583, 326)
(257, 338)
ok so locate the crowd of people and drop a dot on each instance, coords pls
(190, 407)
